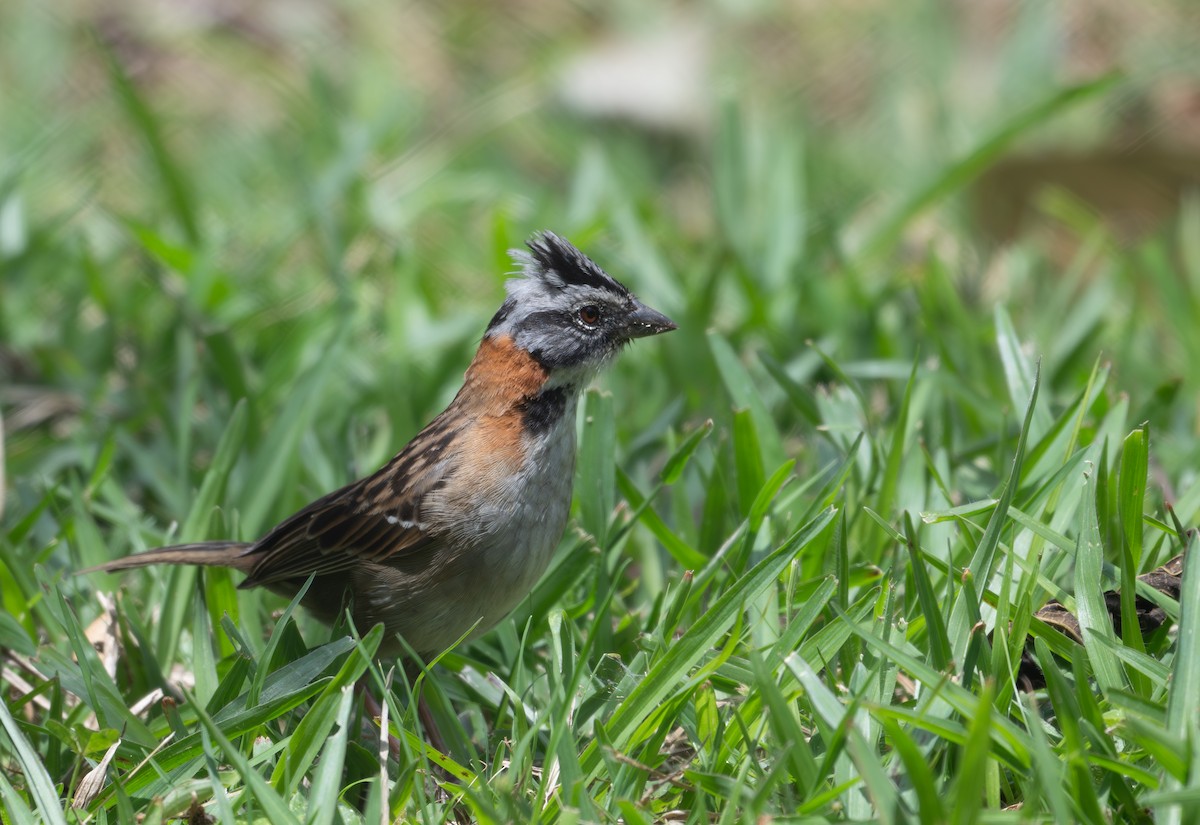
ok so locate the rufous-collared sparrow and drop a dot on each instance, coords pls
(451, 534)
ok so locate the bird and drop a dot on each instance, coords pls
(445, 539)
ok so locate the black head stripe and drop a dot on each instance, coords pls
(501, 314)
(554, 253)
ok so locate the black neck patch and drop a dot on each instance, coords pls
(542, 411)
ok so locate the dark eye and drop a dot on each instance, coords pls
(590, 315)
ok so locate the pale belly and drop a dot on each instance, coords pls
(510, 541)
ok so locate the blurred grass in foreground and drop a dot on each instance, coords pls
(234, 279)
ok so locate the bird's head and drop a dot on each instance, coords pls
(568, 313)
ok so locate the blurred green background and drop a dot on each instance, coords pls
(294, 215)
(219, 167)
(229, 183)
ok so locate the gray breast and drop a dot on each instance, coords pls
(520, 547)
(511, 537)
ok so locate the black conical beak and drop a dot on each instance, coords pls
(644, 321)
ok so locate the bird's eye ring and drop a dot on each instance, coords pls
(590, 315)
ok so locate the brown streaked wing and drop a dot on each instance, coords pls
(349, 537)
(375, 518)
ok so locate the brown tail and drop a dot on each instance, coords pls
(216, 553)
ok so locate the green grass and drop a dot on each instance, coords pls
(811, 527)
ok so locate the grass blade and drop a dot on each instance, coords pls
(48, 803)
(179, 196)
(1183, 702)
(745, 395)
(955, 176)
(596, 485)
(687, 650)
(984, 559)
(274, 806)
(939, 640)
(1094, 618)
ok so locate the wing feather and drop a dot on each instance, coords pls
(377, 518)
